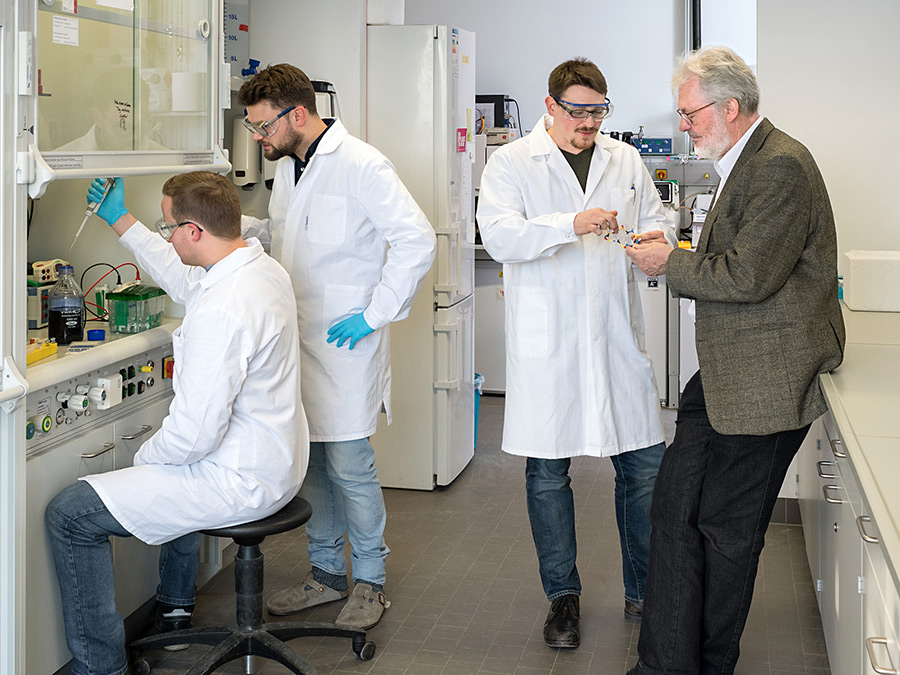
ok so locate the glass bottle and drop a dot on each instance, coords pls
(66, 317)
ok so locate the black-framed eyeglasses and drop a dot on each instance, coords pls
(266, 129)
(581, 111)
(166, 230)
(686, 116)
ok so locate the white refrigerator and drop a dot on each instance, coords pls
(420, 104)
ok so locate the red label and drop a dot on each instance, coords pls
(460, 140)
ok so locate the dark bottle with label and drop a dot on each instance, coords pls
(66, 316)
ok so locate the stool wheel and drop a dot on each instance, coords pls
(366, 652)
(140, 666)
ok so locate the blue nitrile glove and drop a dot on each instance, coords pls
(354, 329)
(113, 206)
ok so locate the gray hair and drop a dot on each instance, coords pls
(722, 75)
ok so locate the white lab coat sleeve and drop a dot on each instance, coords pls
(397, 217)
(160, 260)
(259, 228)
(214, 365)
(653, 215)
(507, 234)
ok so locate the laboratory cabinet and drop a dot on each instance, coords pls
(849, 504)
(135, 564)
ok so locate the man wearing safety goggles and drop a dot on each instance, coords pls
(579, 381)
(357, 247)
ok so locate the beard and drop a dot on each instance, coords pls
(582, 143)
(716, 142)
(292, 142)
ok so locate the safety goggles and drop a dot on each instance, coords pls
(166, 230)
(266, 129)
(581, 111)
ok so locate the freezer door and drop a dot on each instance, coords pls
(454, 389)
(454, 219)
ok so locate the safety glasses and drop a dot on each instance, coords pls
(266, 129)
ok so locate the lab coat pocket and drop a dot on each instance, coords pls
(624, 200)
(528, 324)
(342, 302)
(327, 219)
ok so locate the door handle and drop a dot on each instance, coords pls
(144, 429)
(819, 471)
(835, 444)
(860, 525)
(102, 451)
(831, 500)
(870, 647)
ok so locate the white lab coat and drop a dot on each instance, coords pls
(331, 232)
(235, 445)
(578, 379)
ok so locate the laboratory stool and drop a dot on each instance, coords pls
(251, 637)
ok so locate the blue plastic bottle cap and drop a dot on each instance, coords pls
(96, 334)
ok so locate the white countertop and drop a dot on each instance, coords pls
(63, 366)
(863, 395)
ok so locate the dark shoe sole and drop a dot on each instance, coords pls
(561, 644)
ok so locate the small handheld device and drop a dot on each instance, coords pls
(93, 207)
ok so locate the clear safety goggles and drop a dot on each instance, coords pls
(266, 129)
(166, 230)
(581, 111)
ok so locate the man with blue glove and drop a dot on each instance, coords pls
(236, 419)
(336, 205)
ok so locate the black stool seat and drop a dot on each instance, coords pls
(251, 636)
(295, 513)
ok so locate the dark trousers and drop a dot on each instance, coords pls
(712, 503)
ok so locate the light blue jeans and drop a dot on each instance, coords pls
(345, 495)
(551, 510)
(79, 526)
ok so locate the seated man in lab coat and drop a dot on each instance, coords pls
(579, 382)
(337, 205)
(234, 446)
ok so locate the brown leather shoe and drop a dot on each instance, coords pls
(561, 626)
(634, 611)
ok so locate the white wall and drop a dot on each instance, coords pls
(326, 40)
(828, 74)
(634, 43)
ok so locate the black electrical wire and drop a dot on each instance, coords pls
(30, 214)
(518, 116)
(112, 267)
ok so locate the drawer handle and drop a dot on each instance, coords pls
(106, 448)
(831, 500)
(870, 647)
(860, 525)
(144, 429)
(835, 444)
(821, 473)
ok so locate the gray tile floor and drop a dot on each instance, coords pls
(466, 596)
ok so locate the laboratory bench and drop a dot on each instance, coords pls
(849, 501)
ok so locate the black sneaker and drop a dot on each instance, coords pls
(173, 617)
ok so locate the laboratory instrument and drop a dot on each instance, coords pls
(92, 208)
(135, 309)
(66, 308)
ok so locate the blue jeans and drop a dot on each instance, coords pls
(711, 507)
(345, 495)
(551, 509)
(79, 526)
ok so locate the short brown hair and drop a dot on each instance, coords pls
(207, 198)
(576, 71)
(282, 85)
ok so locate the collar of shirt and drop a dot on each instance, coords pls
(231, 262)
(725, 164)
(300, 165)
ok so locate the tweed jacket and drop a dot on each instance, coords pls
(764, 277)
